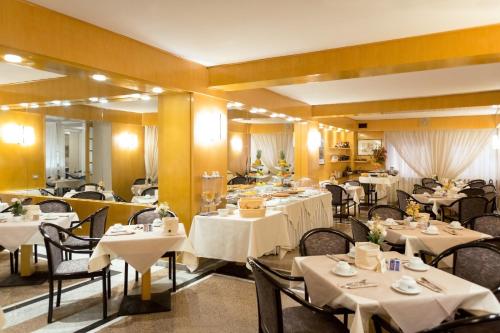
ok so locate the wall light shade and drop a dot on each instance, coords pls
(208, 127)
(127, 140)
(236, 144)
(313, 139)
(99, 77)
(18, 134)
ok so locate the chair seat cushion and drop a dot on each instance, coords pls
(73, 242)
(75, 266)
(300, 319)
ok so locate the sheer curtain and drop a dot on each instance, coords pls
(151, 152)
(446, 153)
(54, 149)
(271, 144)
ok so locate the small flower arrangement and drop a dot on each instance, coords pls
(163, 210)
(377, 232)
(413, 209)
(17, 207)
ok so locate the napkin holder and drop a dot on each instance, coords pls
(170, 225)
(368, 256)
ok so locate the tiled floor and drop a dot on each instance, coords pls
(209, 301)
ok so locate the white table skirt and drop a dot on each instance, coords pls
(67, 183)
(137, 189)
(324, 289)
(16, 233)
(142, 249)
(234, 238)
(306, 214)
(357, 193)
(437, 202)
(108, 195)
(385, 185)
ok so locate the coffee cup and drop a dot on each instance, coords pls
(407, 283)
(432, 229)
(415, 262)
(390, 221)
(413, 224)
(343, 268)
(223, 211)
(455, 224)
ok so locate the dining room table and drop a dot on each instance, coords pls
(438, 200)
(108, 195)
(371, 292)
(23, 232)
(2, 319)
(142, 249)
(384, 185)
(416, 239)
(144, 199)
(138, 188)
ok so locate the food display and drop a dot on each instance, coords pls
(252, 207)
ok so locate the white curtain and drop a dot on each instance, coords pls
(271, 144)
(54, 149)
(151, 152)
(102, 154)
(445, 153)
(75, 162)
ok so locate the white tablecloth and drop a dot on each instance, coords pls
(415, 240)
(410, 313)
(137, 189)
(306, 214)
(437, 202)
(234, 238)
(3, 205)
(384, 185)
(357, 193)
(15, 233)
(141, 249)
(108, 195)
(144, 199)
(67, 183)
(2, 318)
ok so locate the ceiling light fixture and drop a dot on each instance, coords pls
(145, 97)
(254, 110)
(290, 119)
(103, 101)
(93, 99)
(281, 115)
(66, 103)
(56, 102)
(339, 129)
(99, 77)
(321, 125)
(274, 115)
(157, 90)
(12, 58)
(298, 119)
(136, 96)
(23, 105)
(234, 105)
(34, 106)
(4, 108)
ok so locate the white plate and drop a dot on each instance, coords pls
(390, 223)
(430, 233)
(351, 273)
(416, 291)
(423, 268)
(455, 228)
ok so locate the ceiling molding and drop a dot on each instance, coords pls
(440, 50)
(408, 104)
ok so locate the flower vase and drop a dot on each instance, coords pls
(170, 225)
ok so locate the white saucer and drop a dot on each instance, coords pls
(351, 273)
(390, 223)
(416, 291)
(423, 268)
(430, 233)
(455, 228)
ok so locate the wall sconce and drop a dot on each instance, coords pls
(18, 134)
(313, 139)
(236, 144)
(208, 127)
(127, 140)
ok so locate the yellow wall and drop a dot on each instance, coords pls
(127, 164)
(237, 160)
(306, 159)
(18, 164)
(184, 151)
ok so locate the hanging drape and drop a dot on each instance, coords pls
(445, 153)
(271, 144)
(102, 154)
(54, 149)
(151, 152)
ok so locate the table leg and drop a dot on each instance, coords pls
(146, 285)
(27, 265)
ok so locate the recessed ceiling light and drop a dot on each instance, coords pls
(103, 101)
(290, 119)
(347, 130)
(99, 77)
(254, 110)
(4, 108)
(339, 129)
(55, 102)
(261, 110)
(12, 58)
(34, 106)
(66, 103)
(274, 115)
(330, 128)
(320, 125)
(157, 90)
(282, 115)
(297, 119)
(145, 97)
(23, 105)
(136, 96)
(93, 99)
